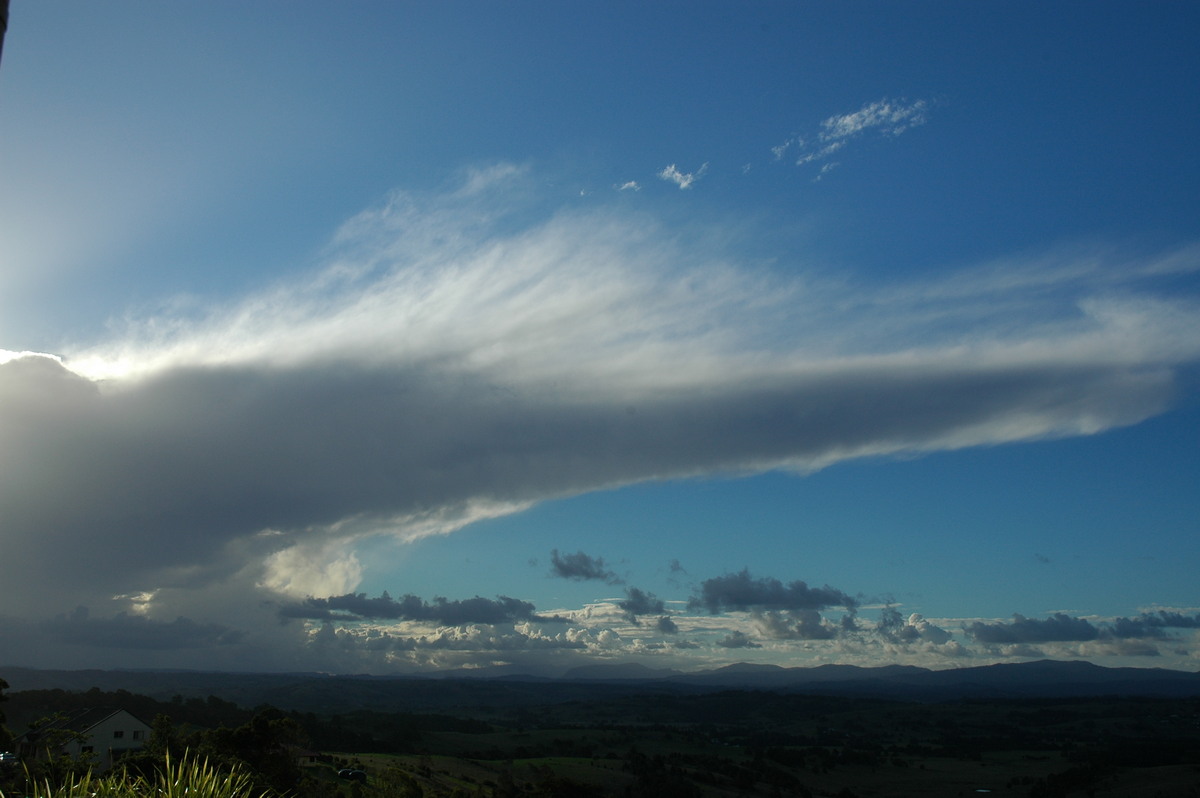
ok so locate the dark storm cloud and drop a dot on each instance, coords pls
(357, 606)
(740, 591)
(135, 632)
(159, 477)
(581, 567)
(639, 602)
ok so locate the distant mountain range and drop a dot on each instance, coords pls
(1043, 678)
(327, 693)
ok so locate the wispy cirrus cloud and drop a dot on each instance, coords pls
(886, 117)
(479, 179)
(890, 117)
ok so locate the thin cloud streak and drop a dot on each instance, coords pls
(888, 117)
(357, 606)
(460, 360)
(892, 118)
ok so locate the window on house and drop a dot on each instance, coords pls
(87, 749)
(137, 735)
(118, 734)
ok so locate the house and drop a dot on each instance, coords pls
(306, 758)
(103, 733)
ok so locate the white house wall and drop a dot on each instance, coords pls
(112, 737)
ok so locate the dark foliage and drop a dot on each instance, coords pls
(654, 744)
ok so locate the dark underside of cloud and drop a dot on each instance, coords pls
(581, 567)
(1061, 627)
(164, 473)
(125, 631)
(639, 602)
(795, 625)
(737, 640)
(357, 606)
(741, 591)
(666, 625)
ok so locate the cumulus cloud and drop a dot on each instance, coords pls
(639, 602)
(667, 626)
(1137, 627)
(741, 591)
(737, 639)
(315, 568)
(1141, 634)
(795, 625)
(1057, 627)
(1061, 627)
(1163, 619)
(915, 628)
(682, 179)
(807, 623)
(581, 567)
(357, 606)
(462, 357)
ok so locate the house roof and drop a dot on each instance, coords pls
(81, 720)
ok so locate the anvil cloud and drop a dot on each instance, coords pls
(442, 369)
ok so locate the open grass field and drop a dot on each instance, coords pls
(778, 747)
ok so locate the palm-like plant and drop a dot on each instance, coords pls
(183, 778)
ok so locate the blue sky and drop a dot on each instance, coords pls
(390, 337)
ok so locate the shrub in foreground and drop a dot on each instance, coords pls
(186, 777)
